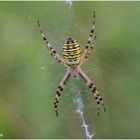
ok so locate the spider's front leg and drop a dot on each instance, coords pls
(60, 89)
(53, 52)
(91, 85)
(90, 43)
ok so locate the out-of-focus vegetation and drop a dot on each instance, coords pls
(29, 76)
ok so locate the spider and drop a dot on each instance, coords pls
(73, 59)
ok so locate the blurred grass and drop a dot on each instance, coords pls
(29, 76)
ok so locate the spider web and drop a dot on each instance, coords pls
(29, 76)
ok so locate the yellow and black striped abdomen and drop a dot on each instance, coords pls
(71, 52)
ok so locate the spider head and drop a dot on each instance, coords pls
(71, 52)
(74, 72)
(75, 76)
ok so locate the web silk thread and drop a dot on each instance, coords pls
(78, 101)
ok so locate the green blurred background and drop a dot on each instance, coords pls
(29, 76)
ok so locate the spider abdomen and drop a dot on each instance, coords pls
(71, 52)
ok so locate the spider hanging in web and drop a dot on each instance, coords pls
(73, 59)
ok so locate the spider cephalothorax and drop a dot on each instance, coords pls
(73, 59)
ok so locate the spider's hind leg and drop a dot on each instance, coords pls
(52, 51)
(90, 43)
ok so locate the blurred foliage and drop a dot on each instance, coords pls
(29, 75)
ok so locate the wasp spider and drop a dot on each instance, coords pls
(73, 59)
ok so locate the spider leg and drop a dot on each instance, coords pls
(56, 56)
(60, 89)
(90, 43)
(91, 85)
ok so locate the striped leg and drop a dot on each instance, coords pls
(59, 90)
(56, 56)
(96, 94)
(90, 43)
